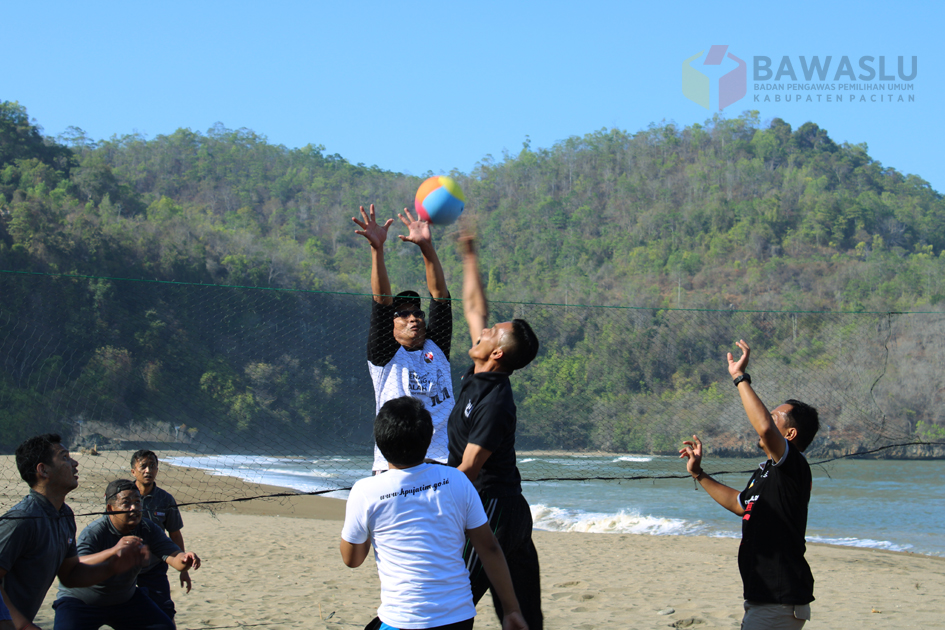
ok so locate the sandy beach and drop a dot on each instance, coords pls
(275, 564)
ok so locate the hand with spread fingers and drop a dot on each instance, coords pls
(737, 368)
(375, 233)
(418, 231)
(692, 451)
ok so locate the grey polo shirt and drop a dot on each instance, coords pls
(118, 589)
(33, 548)
(160, 507)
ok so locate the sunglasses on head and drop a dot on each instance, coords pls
(407, 313)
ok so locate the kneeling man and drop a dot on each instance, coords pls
(117, 602)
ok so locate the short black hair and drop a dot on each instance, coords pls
(805, 419)
(116, 487)
(519, 346)
(407, 297)
(403, 430)
(142, 454)
(33, 452)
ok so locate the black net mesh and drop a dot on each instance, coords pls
(271, 387)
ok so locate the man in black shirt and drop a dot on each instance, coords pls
(408, 354)
(778, 585)
(482, 441)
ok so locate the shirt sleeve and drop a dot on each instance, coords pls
(475, 513)
(4, 611)
(157, 541)
(440, 325)
(89, 541)
(15, 535)
(381, 345)
(355, 530)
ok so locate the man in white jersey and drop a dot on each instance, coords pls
(409, 350)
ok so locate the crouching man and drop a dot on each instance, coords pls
(117, 602)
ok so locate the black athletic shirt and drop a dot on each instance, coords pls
(771, 556)
(485, 415)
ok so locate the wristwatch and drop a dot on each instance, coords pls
(744, 377)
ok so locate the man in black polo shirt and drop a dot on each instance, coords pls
(117, 602)
(409, 350)
(482, 441)
(37, 536)
(778, 584)
(158, 506)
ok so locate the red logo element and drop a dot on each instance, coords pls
(428, 357)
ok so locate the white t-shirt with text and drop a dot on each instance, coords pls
(416, 520)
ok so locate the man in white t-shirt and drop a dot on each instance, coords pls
(417, 518)
(408, 350)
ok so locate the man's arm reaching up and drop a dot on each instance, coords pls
(376, 235)
(475, 306)
(419, 234)
(772, 441)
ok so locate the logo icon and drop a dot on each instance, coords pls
(468, 409)
(428, 357)
(697, 86)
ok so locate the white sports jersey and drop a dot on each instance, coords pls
(423, 374)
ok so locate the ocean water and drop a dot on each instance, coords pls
(881, 504)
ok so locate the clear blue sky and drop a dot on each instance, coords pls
(414, 86)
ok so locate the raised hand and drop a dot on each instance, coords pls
(737, 368)
(692, 451)
(418, 231)
(374, 233)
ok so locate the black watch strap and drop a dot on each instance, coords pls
(744, 377)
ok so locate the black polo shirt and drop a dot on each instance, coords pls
(485, 415)
(35, 539)
(771, 556)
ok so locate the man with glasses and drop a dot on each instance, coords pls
(409, 349)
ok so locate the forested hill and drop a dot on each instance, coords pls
(729, 213)
(733, 214)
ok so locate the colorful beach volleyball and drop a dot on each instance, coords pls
(440, 200)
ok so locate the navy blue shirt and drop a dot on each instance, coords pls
(35, 539)
(158, 506)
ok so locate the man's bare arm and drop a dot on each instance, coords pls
(76, 572)
(725, 496)
(475, 306)
(354, 554)
(419, 233)
(19, 620)
(771, 439)
(493, 561)
(376, 235)
(473, 459)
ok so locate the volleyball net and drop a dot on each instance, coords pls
(249, 392)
